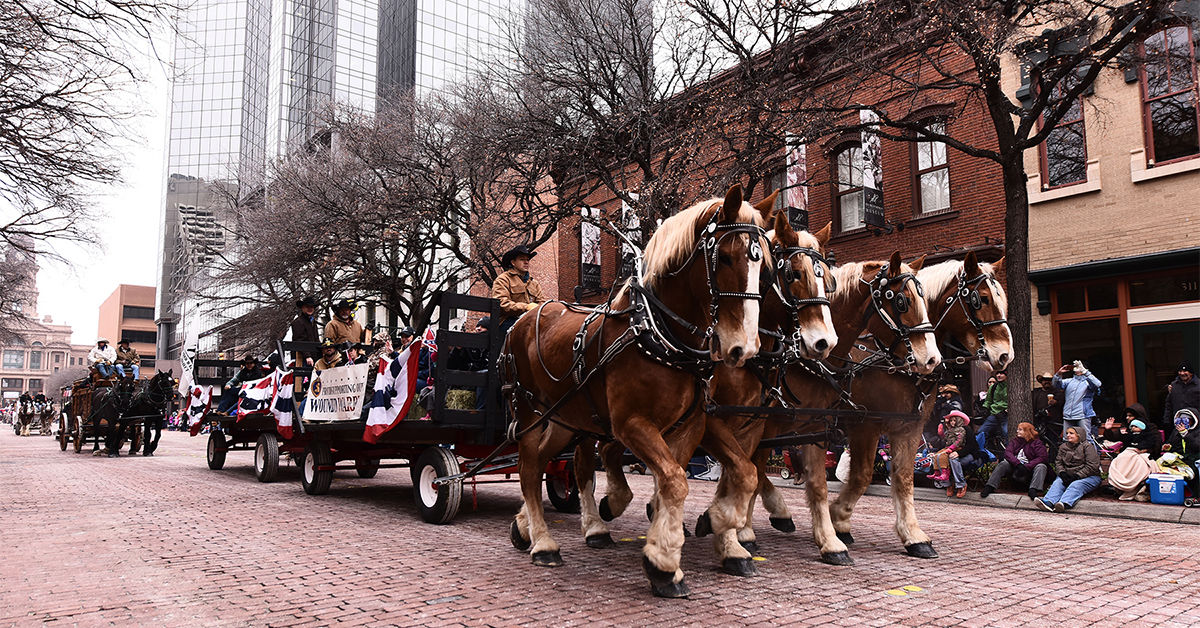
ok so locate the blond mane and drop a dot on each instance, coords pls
(937, 278)
(675, 239)
(848, 276)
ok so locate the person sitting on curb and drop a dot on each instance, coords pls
(1184, 442)
(1135, 463)
(1078, 465)
(1025, 458)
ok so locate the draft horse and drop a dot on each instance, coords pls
(638, 369)
(124, 402)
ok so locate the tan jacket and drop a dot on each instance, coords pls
(515, 294)
(337, 331)
(128, 357)
(321, 364)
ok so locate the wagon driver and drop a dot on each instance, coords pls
(516, 290)
(128, 359)
(102, 357)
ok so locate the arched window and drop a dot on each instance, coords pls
(1170, 102)
(932, 171)
(847, 195)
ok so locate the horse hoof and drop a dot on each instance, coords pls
(600, 541)
(518, 541)
(662, 583)
(739, 567)
(921, 550)
(547, 559)
(606, 512)
(649, 511)
(749, 546)
(846, 538)
(841, 559)
(783, 524)
(704, 525)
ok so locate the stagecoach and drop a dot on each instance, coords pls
(446, 444)
(33, 418)
(79, 422)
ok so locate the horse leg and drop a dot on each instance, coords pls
(536, 450)
(863, 440)
(617, 492)
(772, 498)
(663, 551)
(595, 532)
(727, 513)
(905, 438)
(833, 550)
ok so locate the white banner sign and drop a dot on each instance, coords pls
(336, 394)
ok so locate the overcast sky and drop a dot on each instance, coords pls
(129, 227)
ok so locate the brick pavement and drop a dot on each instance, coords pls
(136, 541)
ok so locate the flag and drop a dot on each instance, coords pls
(199, 400)
(256, 396)
(429, 340)
(395, 389)
(187, 359)
(283, 406)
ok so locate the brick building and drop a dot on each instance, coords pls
(1114, 229)
(129, 313)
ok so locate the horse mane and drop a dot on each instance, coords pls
(937, 278)
(847, 275)
(675, 239)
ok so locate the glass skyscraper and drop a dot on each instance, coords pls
(252, 79)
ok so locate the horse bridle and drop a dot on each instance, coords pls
(794, 305)
(882, 294)
(967, 295)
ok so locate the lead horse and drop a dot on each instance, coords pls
(638, 368)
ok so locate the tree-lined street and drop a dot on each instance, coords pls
(136, 541)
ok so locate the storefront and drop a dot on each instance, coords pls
(1131, 320)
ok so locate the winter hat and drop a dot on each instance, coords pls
(1138, 424)
(1186, 366)
(1187, 418)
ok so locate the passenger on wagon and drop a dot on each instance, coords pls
(102, 357)
(248, 373)
(1026, 459)
(128, 358)
(342, 327)
(406, 338)
(304, 328)
(516, 290)
(1078, 465)
(330, 356)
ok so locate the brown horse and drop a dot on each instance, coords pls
(637, 368)
(969, 306)
(797, 305)
(884, 299)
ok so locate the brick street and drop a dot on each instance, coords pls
(164, 540)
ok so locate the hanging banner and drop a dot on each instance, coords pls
(336, 394)
(589, 249)
(395, 389)
(796, 180)
(631, 225)
(872, 169)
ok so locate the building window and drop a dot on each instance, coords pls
(14, 359)
(1064, 153)
(72, 360)
(35, 360)
(932, 172)
(137, 311)
(848, 197)
(58, 358)
(1169, 96)
(35, 385)
(1177, 286)
(12, 383)
(149, 337)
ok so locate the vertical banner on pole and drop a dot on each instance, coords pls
(589, 249)
(631, 224)
(796, 180)
(872, 169)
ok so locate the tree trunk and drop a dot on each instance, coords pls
(1020, 314)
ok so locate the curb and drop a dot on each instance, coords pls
(1117, 510)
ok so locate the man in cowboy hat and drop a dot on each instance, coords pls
(1183, 392)
(101, 358)
(330, 356)
(514, 288)
(1047, 403)
(343, 327)
(248, 373)
(128, 358)
(304, 327)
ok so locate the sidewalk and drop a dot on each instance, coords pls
(1090, 505)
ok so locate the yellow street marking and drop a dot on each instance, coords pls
(642, 538)
(759, 558)
(626, 540)
(896, 592)
(912, 587)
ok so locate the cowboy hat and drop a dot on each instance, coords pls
(102, 339)
(123, 341)
(948, 388)
(343, 304)
(512, 254)
(1045, 376)
(309, 301)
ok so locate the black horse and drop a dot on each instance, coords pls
(125, 401)
(154, 402)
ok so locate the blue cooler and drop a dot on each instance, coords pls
(1166, 488)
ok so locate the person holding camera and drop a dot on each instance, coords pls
(1078, 393)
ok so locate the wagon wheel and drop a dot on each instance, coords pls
(78, 434)
(217, 448)
(316, 480)
(366, 467)
(561, 490)
(63, 437)
(266, 457)
(436, 504)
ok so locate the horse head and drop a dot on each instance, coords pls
(971, 308)
(903, 318)
(804, 282)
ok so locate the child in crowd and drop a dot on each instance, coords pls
(952, 434)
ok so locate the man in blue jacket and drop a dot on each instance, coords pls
(1078, 393)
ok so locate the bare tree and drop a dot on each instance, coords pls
(909, 52)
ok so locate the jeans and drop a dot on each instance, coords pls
(989, 426)
(1004, 468)
(1070, 494)
(1083, 424)
(105, 370)
(956, 469)
(137, 372)
(229, 400)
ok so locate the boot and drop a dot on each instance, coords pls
(962, 492)
(950, 491)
